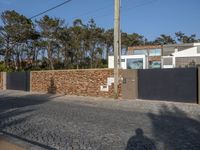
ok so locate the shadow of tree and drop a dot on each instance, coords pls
(52, 88)
(15, 110)
(140, 142)
(175, 129)
(10, 102)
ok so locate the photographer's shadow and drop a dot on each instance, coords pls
(140, 142)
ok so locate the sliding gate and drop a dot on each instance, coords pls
(18, 81)
(179, 85)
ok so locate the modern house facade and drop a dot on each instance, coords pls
(160, 56)
(140, 57)
(130, 62)
(153, 54)
(181, 55)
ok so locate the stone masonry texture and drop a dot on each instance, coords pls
(83, 82)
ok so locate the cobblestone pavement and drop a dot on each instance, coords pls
(84, 123)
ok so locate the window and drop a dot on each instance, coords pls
(155, 64)
(140, 52)
(122, 60)
(135, 63)
(155, 52)
(168, 61)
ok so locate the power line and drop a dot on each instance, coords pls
(140, 5)
(125, 10)
(93, 11)
(130, 8)
(50, 9)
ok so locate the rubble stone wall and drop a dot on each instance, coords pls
(83, 82)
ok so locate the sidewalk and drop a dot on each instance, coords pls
(5, 145)
(10, 143)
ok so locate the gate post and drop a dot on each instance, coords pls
(130, 84)
(4, 80)
(198, 84)
(30, 82)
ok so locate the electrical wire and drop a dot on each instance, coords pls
(124, 10)
(50, 9)
(92, 11)
(140, 5)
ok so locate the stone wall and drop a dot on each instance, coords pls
(85, 82)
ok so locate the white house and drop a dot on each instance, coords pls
(157, 56)
(130, 62)
(181, 55)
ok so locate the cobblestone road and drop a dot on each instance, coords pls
(80, 123)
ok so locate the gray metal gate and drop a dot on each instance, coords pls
(179, 85)
(18, 81)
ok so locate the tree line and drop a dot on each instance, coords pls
(48, 43)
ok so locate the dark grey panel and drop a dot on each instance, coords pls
(198, 85)
(168, 84)
(18, 81)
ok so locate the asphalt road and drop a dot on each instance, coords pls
(85, 123)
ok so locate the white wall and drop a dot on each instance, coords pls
(110, 61)
(124, 64)
(196, 44)
(191, 52)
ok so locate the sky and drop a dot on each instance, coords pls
(149, 18)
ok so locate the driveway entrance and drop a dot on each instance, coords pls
(18, 81)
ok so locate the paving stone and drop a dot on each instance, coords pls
(75, 123)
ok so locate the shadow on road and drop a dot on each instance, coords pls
(170, 126)
(140, 142)
(175, 128)
(15, 110)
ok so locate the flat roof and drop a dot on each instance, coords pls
(184, 44)
(144, 47)
(149, 47)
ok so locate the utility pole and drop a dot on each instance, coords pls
(116, 46)
(120, 37)
(120, 50)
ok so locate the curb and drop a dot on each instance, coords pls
(21, 143)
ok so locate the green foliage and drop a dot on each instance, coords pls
(49, 43)
(182, 38)
(3, 68)
(164, 39)
(16, 35)
(192, 64)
